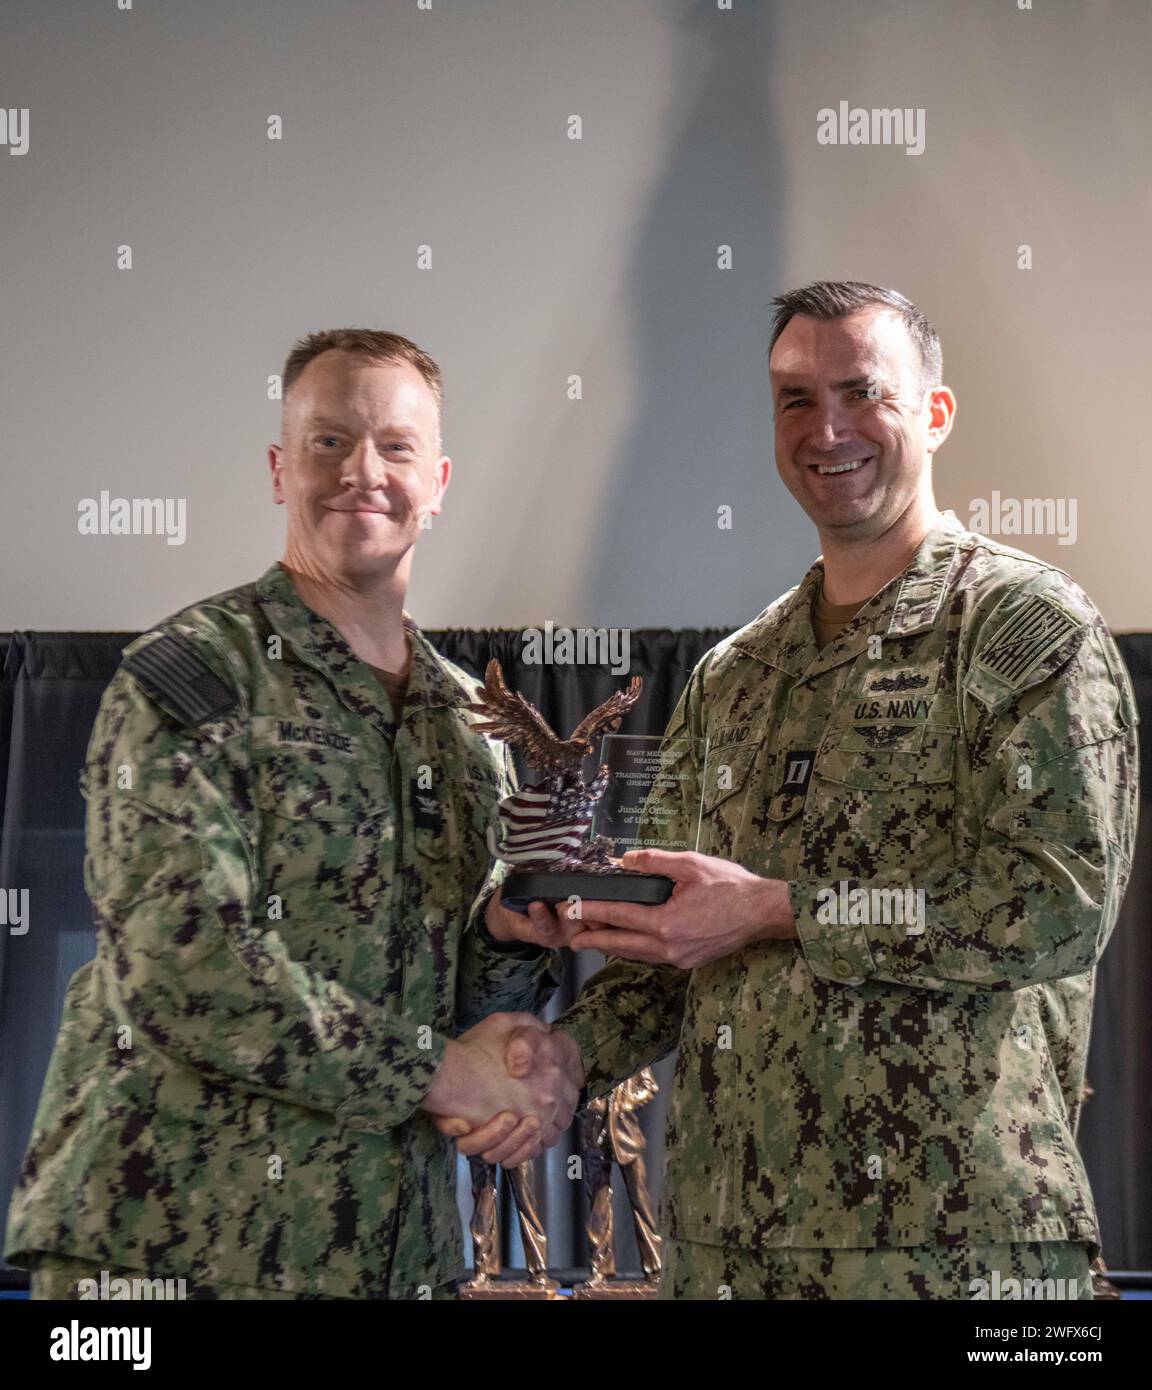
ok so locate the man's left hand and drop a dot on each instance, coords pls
(541, 927)
(715, 909)
(504, 1139)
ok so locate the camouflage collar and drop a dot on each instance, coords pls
(909, 602)
(317, 642)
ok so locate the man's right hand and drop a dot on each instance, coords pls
(511, 1081)
(534, 1055)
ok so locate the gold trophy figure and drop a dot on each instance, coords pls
(610, 1132)
(485, 1231)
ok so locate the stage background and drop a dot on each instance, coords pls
(448, 128)
(49, 692)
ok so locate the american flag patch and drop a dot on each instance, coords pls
(1038, 629)
(177, 677)
(540, 825)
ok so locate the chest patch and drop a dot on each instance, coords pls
(296, 733)
(916, 710)
(883, 735)
(733, 735)
(895, 682)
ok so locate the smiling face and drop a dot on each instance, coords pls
(359, 467)
(855, 426)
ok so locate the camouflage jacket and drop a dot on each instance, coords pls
(282, 881)
(894, 1078)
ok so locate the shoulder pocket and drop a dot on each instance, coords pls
(1077, 840)
(1075, 830)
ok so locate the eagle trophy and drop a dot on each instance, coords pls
(545, 824)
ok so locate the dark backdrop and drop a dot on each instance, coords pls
(51, 685)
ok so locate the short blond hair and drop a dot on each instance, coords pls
(371, 343)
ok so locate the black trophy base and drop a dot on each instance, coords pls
(621, 886)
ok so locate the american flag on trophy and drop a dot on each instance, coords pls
(547, 823)
(542, 824)
(544, 827)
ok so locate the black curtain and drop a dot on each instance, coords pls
(51, 686)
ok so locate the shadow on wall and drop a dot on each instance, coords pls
(702, 434)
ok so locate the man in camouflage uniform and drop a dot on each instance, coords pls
(877, 1094)
(287, 808)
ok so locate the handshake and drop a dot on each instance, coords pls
(507, 1088)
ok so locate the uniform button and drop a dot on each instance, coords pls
(842, 968)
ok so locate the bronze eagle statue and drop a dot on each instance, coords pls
(510, 717)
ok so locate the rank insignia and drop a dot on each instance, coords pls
(426, 813)
(797, 770)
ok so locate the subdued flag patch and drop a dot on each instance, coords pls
(1038, 629)
(177, 677)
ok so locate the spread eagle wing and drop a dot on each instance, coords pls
(511, 718)
(606, 718)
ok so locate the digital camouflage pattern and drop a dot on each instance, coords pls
(1035, 1271)
(62, 1279)
(971, 733)
(282, 896)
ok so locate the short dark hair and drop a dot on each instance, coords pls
(367, 342)
(836, 299)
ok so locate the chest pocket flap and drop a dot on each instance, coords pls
(727, 773)
(452, 822)
(299, 785)
(889, 755)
